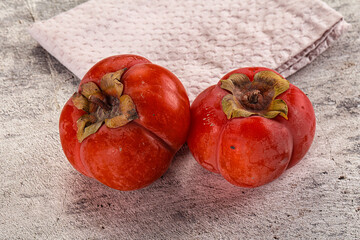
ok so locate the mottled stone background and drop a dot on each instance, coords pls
(43, 197)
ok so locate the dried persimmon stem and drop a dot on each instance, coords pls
(103, 104)
(255, 97)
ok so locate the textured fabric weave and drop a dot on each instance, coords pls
(199, 41)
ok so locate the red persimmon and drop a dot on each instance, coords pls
(251, 126)
(126, 122)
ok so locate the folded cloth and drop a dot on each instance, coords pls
(199, 41)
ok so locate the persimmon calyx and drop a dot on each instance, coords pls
(104, 104)
(254, 98)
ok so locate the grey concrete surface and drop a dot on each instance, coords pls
(43, 197)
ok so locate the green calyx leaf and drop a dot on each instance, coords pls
(254, 98)
(236, 80)
(273, 80)
(278, 106)
(104, 104)
(232, 108)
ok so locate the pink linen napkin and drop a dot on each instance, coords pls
(199, 41)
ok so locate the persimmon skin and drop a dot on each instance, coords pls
(251, 151)
(132, 156)
(152, 87)
(207, 122)
(125, 158)
(70, 144)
